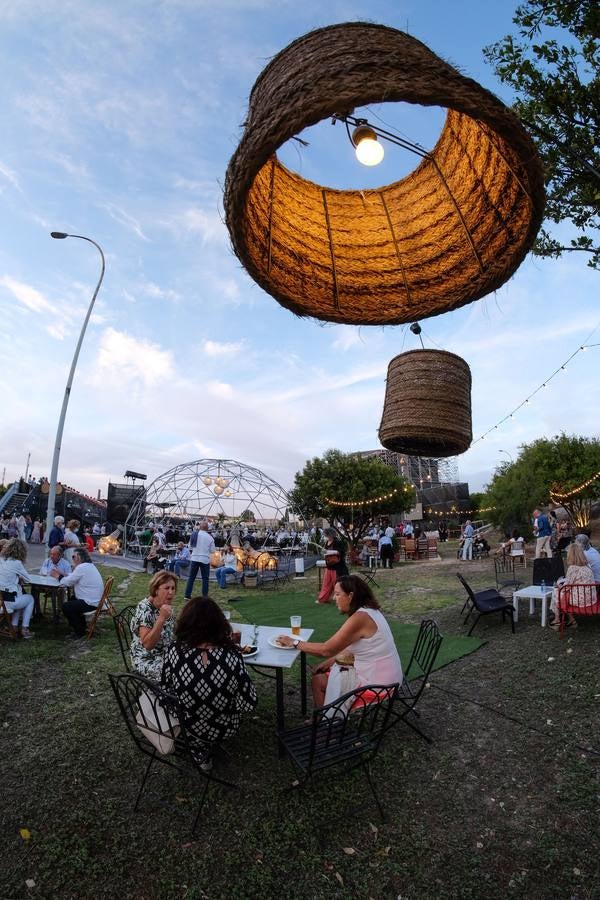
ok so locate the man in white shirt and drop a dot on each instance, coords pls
(88, 586)
(200, 560)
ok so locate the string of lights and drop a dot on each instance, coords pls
(369, 502)
(461, 512)
(555, 495)
(581, 349)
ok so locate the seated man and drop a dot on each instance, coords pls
(86, 581)
(181, 559)
(229, 567)
(55, 565)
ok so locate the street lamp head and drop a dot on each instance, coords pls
(59, 235)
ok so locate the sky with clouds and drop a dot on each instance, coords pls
(119, 119)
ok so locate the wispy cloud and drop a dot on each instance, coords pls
(27, 295)
(125, 219)
(214, 348)
(9, 175)
(122, 358)
(153, 290)
(57, 330)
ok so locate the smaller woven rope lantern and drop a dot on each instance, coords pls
(452, 231)
(427, 408)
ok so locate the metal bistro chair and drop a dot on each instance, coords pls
(342, 738)
(422, 659)
(155, 721)
(485, 603)
(504, 568)
(122, 623)
(105, 606)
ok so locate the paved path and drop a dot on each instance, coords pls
(36, 554)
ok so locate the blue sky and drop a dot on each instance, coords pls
(118, 123)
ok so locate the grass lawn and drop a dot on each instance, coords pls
(504, 803)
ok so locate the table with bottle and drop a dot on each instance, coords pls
(532, 593)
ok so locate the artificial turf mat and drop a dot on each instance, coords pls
(275, 608)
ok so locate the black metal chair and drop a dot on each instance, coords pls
(122, 623)
(506, 577)
(422, 659)
(343, 735)
(155, 721)
(548, 570)
(485, 603)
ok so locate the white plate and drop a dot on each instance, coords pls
(273, 643)
(248, 655)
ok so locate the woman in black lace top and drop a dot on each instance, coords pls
(206, 671)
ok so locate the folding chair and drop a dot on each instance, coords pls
(342, 736)
(7, 629)
(122, 623)
(155, 721)
(367, 575)
(105, 606)
(504, 568)
(410, 548)
(485, 603)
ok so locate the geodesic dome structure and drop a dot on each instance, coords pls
(209, 488)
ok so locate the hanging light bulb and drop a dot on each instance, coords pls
(207, 481)
(227, 493)
(218, 489)
(368, 149)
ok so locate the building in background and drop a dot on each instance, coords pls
(439, 491)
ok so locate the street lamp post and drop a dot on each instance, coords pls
(60, 235)
(510, 456)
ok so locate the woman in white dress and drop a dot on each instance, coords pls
(71, 540)
(365, 634)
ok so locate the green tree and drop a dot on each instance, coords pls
(347, 478)
(247, 516)
(553, 67)
(542, 468)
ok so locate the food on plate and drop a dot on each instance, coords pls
(248, 648)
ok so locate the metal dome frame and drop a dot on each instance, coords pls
(207, 488)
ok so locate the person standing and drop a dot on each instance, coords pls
(335, 564)
(468, 534)
(57, 534)
(543, 531)
(36, 534)
(200, 560)
(386, 550)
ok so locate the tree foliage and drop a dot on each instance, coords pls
(345, 477)
(553, 66)
(560, 463)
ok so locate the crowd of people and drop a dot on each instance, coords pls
(32, 530)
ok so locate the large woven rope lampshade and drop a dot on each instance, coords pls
(427, 408)
(453, 230)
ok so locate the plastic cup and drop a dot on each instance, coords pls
(296, 622)
(227, 615)
(237, 637)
